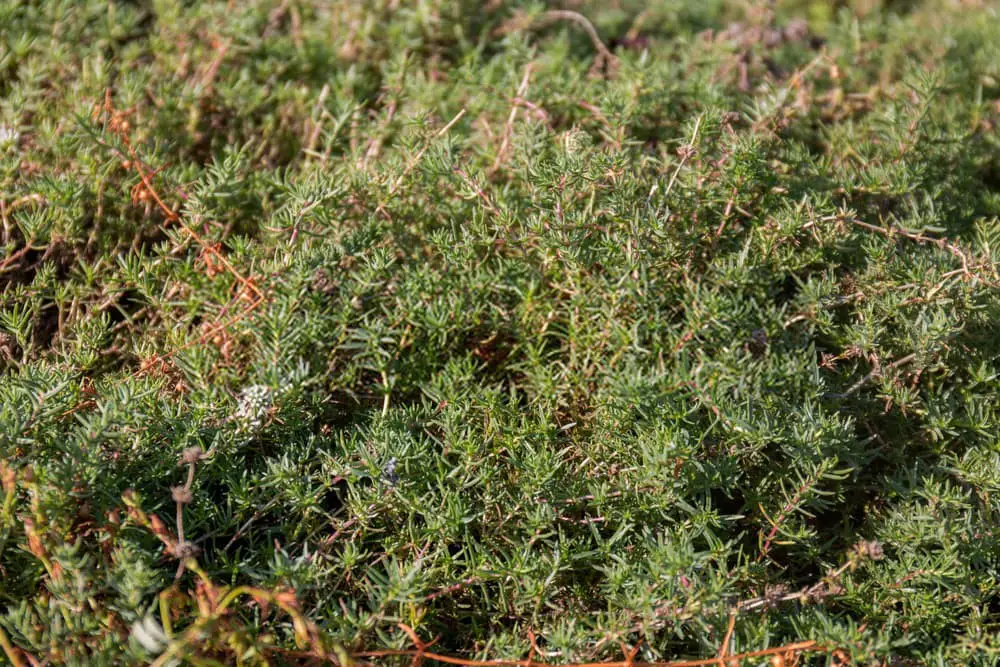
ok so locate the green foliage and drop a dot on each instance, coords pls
(482, 331)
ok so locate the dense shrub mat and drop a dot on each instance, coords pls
(608, 324)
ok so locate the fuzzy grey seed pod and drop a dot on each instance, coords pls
(181, 495)
(185, 549)
(191, 455)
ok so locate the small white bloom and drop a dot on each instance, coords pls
(150, 635)
(254, 404)
(575, 141)
(8, 136)
(389, 475)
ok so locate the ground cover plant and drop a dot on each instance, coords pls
(560, 333)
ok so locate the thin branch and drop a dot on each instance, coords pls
(478, 190)
(892, 232)
(815, 590)
(686, 153)
(413, 163)
(583, 22)
(116, 123)
(12, 653)
(785, 512)
(522, 89)
(724, 648)
(877, 372)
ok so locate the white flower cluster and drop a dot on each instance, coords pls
(8, 136)
(575, 141)
(255, 402)
(389, 474)
(150, 635)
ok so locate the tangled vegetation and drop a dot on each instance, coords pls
(327, 328)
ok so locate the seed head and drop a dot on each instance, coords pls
(192, 455)
(182, 495)
(869, 549)
(323, 282)
(185, 549)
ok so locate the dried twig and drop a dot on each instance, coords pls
(819, 589)
(416, 160)
(478, 190)
(9, 650)
(317, 125)
(522, 89)
(892, 232)
(724, 648)
(877, 372)
(834, 303)
(115, 121)
(375, 145)
(208, 78)
(583, 22)
(686, 152)
(522, 21)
